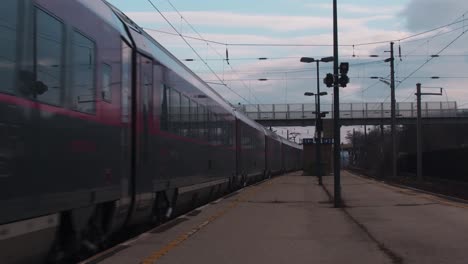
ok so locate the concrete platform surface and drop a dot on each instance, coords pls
(414, 227)
(290, 219)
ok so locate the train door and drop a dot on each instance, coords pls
(126, 99)
(143, 172)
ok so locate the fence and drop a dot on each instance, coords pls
(351, 110)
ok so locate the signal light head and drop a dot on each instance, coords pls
(329, 80)
(344, 68)
(343, 81)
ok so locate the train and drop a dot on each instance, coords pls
(102, 128)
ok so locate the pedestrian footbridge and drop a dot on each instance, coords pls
(355, 113)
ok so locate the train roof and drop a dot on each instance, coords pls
(103, 10)
(242, 117)
(272, 134)
(291, 144)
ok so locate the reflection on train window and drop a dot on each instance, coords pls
(126, 81)
(185, 114)
(83, 88)
(164, 107)
(106, 83)
(219, 131)
(174, 112)
(212, 119)
(8, 24)
(202, 119)
(195, 124)
(49, 56)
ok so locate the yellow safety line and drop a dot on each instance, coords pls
(180, 239)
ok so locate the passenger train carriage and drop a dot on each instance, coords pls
(102, 128)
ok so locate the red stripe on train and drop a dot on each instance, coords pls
(102, 117)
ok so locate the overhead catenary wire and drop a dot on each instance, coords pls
(300, 70)
(201, 37)
(431, 58)
(460, 18)
(404, 39)
(430, 38)
(351, 77)
(198, 55)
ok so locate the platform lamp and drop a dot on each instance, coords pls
(318, 127)
(318, 132)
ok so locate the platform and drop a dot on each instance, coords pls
(290, 219)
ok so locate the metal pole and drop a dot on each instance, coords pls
(336, 111)
(318, 129)
(382, 144)
(365, 135)
(418, 135)
(393, 111)
(354, 148)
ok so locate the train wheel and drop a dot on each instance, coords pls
(81, 233)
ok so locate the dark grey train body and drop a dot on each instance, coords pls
(101, 127)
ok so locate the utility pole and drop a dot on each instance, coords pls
(418, 135)
(419, 152)
(354, 147)
(336, 113)
(382, 138)
(365, 135)
(393, 111)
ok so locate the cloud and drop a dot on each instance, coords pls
(426, 14)
(358, 9)
(278, 23)
(277, 90)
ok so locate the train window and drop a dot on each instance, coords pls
(185, 111)
(219, 131)
(174, 112)
(195, 124)
(49, 58)
(209, 125)
(202, 120)
(146, 67)
(83, 61)
(227, 132)
(126, 81)
(164, 107)
(213, 128)
(8, 43)
(106, 83)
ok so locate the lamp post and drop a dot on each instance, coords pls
(318, 126)
(318, 133)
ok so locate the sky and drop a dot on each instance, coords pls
(299, 22)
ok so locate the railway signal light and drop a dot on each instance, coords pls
(344, 68)
(329, 80)
(343, 81)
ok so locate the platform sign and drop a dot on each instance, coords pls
(313, 141)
